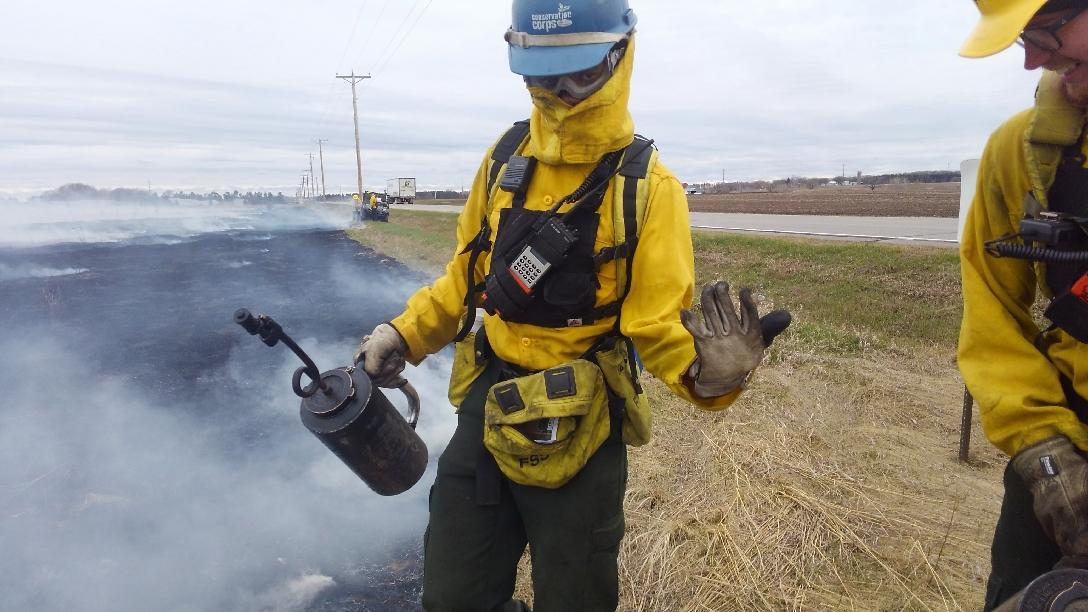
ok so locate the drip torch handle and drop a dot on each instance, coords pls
(413, 400)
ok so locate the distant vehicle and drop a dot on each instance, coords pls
(694, 192)
(364, 212)
(400, 190)
(377, 213)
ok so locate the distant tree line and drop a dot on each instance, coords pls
(80, 191)
(440, 194)
(249, 197)
(804, 182)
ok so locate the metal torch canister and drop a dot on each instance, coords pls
(357, 422)
(352, 417)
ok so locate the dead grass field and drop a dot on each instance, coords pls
(915, 200)
(832, 483)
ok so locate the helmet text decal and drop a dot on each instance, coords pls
(563, 18)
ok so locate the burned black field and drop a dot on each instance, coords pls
(151, 455)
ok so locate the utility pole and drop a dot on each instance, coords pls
(354, 79)
(321, 158)
(312, 191)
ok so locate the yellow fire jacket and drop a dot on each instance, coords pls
(567, 143)
(1017, 387)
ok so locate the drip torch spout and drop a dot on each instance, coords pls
(271, 333)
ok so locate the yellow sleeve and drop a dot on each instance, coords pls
(434, 314)
(1017, 388)
(663, 285)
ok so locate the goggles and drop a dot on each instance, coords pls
(584, 83)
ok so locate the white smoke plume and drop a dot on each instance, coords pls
(121, 492)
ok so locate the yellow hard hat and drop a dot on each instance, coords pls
(1002, 21)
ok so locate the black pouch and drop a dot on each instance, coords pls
(1069, 310)
(569, 291)
(1070, 313)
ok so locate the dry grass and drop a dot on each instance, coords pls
(911, 200)
(423, 240)
(832, 484)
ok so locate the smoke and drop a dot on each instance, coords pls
(43, 222)
(9, 273)
(151, 454)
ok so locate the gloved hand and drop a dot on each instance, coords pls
(728, 347)
(382, 353)
(1056, 473)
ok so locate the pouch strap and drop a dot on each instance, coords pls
(488, 478)
(607, 254)
(506, 147)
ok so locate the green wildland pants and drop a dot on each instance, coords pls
(1021, 551)
(480, 523)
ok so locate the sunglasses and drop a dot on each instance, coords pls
(1046, 37)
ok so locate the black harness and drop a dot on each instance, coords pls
(1069, 195)
(1058, 238)
(566, 297)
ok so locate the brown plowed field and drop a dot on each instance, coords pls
(915, 200)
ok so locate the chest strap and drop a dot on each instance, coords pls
(507, 146)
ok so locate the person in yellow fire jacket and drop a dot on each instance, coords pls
(576, 242)
(1024, 239)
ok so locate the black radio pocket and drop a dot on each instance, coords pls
(1069, 311)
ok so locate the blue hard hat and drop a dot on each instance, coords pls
(552, 37)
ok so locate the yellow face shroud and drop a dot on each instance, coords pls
(582, 134)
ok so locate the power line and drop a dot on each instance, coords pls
(369, 37)
(326, 111)
(389, 46)
(409, 32)
(311, 156)
(355, 79)
(354, 31)
(321, 157)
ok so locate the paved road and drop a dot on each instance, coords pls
(924, 231)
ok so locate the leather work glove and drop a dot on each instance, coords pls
(1056, 473)
(728, 347)
(382, 355)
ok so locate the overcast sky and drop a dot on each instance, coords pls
(230, 94)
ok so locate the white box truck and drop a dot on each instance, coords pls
(401, 191)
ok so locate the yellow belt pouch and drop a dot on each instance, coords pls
(617, 367)
(465, 369)
(543, 428)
